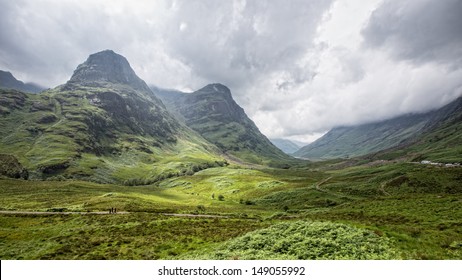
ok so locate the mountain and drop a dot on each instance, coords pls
(107, 68)
(213, 113)
(440, 141)
(170, 98)
(396, 133)
(285, 145)
(104, 124)
(8, 81)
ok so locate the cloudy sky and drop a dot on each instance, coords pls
(297, 67)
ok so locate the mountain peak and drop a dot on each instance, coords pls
(216, 89)
(107, 66)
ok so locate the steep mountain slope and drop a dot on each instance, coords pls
(373, 137)
(104, 124)
(441, 140)
(8, 81)
(213, 113)
(285, 145)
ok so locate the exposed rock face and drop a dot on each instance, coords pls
(107, 66)
(111, 84)
(213, 113)
(215, 102)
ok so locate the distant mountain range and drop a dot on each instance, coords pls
(438, 134)
(8, 81)
(287, 146)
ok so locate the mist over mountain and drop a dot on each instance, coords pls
(395, 133)
(8, 81)
(285, 145)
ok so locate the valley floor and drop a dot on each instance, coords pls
(396, 210)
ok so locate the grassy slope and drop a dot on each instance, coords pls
(436, 135)
(62, 134)
(443, 144)
(212, 112)
(363, 139)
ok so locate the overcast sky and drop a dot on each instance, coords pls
(297, 67)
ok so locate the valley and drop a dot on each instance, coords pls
(191, 177)
(414, 207)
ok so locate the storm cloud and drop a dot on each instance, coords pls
(298, 67)
(420, 31)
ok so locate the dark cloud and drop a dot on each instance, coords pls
(236, 42)
(418, 30)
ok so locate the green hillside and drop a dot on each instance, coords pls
(100, 126)
(212, 112)
(441, 141)
(434, 128)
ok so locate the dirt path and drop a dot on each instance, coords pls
(382, 188)
(318, 185)
(107, 213)
(61, 213)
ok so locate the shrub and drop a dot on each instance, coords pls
(221, 197)
(306, 240)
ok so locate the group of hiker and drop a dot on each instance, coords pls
(113, 210)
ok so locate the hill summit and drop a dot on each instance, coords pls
(107, 67)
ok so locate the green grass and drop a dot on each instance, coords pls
(304, 240)
(65, 134)
(423, 226)
(82, 196)
(134, 236)
(415, 207)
